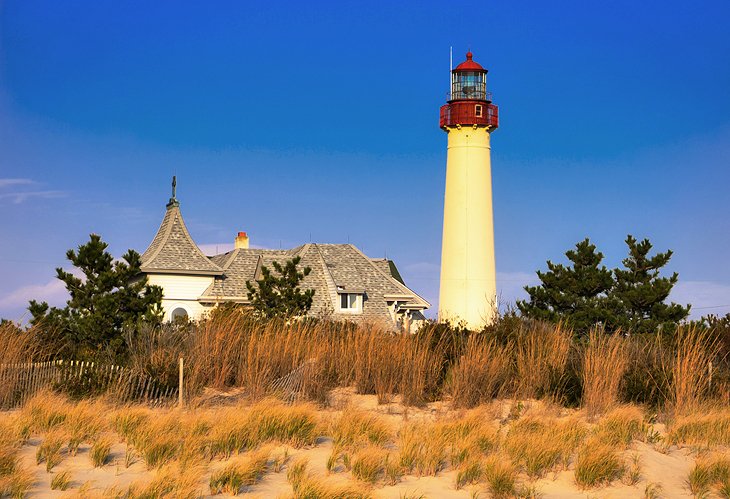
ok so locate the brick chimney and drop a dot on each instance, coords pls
(242, 240)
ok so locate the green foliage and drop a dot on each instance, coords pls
(280, 296)
(575, 294)
(587, 293)
(640, 292)
(110, 298)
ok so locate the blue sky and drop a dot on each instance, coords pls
(299, 121)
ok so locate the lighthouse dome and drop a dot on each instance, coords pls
(469, 64)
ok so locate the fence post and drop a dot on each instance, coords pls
(181, 399)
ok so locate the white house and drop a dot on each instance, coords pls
(347, 284)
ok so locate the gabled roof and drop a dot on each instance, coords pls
(173, 251)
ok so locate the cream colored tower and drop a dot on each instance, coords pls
(468, 290)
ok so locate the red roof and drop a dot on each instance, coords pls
(469, 65)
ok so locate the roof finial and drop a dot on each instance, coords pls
(173, 200)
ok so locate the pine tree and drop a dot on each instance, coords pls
(640, 292)
(281, 296)
(110, 298)
(576, 294)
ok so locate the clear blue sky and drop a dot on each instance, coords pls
(299, 120)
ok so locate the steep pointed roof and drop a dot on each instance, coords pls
(173, 251)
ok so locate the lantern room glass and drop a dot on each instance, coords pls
(469, 85)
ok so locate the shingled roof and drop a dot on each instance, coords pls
(336, 268)
(173, 251)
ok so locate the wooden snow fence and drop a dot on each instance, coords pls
(20, 382)
(291, 387)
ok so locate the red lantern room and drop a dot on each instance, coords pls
(469, 102)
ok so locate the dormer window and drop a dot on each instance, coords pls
(350, 301)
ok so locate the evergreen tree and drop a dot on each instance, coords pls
(576, 294)
(110, 298)
(281, 296)
(640, 292)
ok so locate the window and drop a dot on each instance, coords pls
(179, 314)
(478, 110)
(350, 302)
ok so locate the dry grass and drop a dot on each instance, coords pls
(15, 480)
(169, 482)
(242, 428)
(49, 451)
(20, 346)
(621, 426)
(541, 358)
(481, 372)
(100, 451)
(315, 488)
(61, 481)
(708, 472)
(422, 449)
(84, 422)
(500, 476)
(539, 445)
(45, 411)
(354, 429)
(605, 360)
(369, 464)
(711, 427)
(695, 350)
(243, 471)
(598, 464)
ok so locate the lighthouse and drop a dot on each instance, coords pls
(468, 288)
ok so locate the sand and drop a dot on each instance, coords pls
(666, 467)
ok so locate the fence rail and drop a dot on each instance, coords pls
(20, 382)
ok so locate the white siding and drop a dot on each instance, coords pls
(182, 291)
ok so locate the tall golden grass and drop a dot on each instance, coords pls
(605, 360)
(691, 368)
(515, 359)
(541, 359)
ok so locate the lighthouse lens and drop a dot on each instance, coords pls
(469, 85)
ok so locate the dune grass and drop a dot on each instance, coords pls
(605, 360)
(621, 426)
(61, 481)
(708, 472)
(49, 451)
(357, 428)
(242, 471)
(100, 451)
(710, 427)
(541, 445)
(598, 464)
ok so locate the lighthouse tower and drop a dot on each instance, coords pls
(468, 285)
